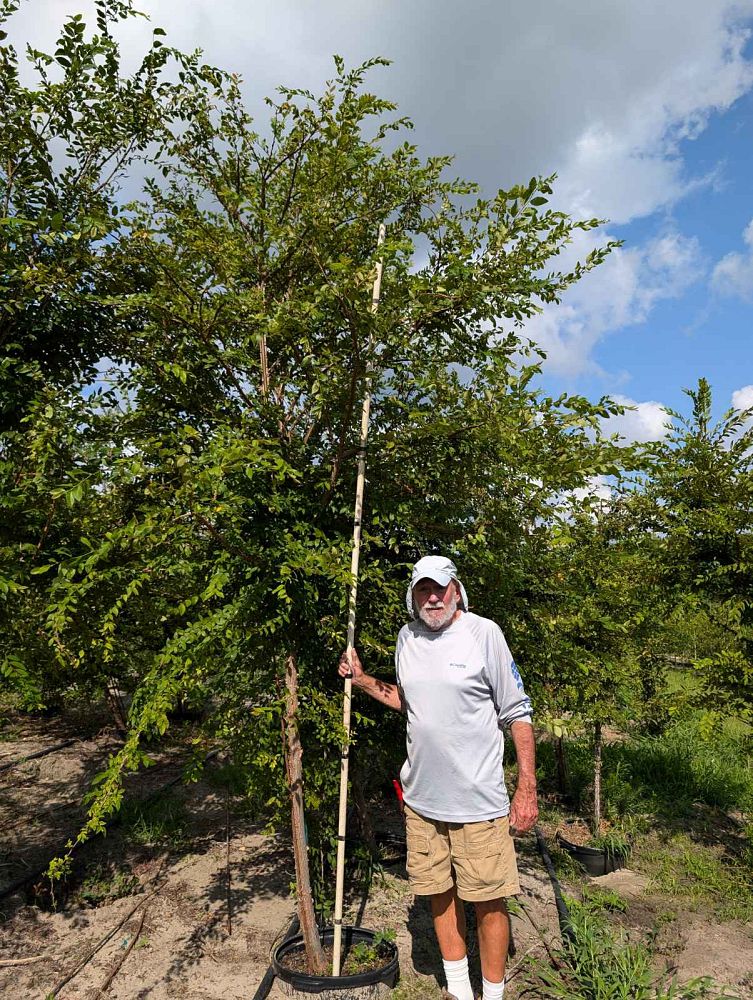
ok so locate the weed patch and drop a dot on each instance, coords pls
(602, 963)
(156, 822)
(101, 885)
(681, 867)
(604, 899)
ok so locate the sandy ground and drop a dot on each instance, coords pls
(185, 947)
(182, 941)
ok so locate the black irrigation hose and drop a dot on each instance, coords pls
(37, 755)
(566, 927)
(269, 976)
(22, 882)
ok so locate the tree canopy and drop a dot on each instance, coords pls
(180, 389)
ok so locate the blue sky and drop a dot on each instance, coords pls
(644, 109)
(707, 329)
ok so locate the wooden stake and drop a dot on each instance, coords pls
(360, 481)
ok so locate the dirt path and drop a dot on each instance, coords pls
(40, 800)
(184, 948)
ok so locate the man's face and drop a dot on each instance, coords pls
(436, 605)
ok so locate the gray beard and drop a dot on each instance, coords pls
(435, 623)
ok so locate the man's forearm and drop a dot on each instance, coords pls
(387, 694)
(524, 810)
(525, 750)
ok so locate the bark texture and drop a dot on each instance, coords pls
(563, 771)
(597, 778)
(294, 768)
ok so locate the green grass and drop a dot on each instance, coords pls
(668, 772)
(670, 792)
(701, 875)
(8, 732)
(101, 884)
(601, 963)
(604, 899)
(681, 766)
(415, 988)
(156, 822)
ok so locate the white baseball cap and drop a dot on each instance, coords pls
(441, 570)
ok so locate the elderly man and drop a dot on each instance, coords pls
(458, 685)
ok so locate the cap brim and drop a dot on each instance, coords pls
(441, 578)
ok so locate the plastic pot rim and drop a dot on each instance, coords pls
(308, 983)
(611, 860)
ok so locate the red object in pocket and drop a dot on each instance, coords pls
(398, 790)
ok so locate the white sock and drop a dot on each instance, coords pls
(458, 981)
(493, 991)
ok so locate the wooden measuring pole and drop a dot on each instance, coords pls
(360, 481)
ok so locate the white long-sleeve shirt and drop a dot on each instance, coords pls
(460, 687)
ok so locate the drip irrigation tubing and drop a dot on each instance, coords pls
(37, 755)
(108, 937)
(269, 976)
(566, 927)
(36, 873)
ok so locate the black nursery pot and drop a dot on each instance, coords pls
(386, 973)
(596, 860)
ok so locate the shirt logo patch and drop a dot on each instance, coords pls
(516, 675)
(463, 665)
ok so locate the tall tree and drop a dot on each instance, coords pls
(213, 544)
(697, 510)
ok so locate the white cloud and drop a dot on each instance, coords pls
(742, 399)
(620, 293)
(643, 422)
(627, 162)
(597, 488)
(733, 275)
(604, 93)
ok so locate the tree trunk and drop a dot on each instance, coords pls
(317, 963)
(563, 771)
(597, 779)
(364, 820)
(116, 705)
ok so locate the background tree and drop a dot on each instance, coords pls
(66, 144)
(696, 512)
(588, 622)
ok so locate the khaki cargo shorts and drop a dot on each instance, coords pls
(482, 855)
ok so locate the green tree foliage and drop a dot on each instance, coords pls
(594, 611)
(67, 142)
(65, 146)
(208, 491)
(695, 512)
